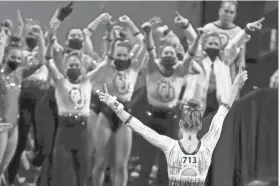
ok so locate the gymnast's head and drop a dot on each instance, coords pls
(13, 57)
(190, 117)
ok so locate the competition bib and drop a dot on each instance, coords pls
(122, 83)
(189, 160)
(165, 91)
(190, 163)
(77, 98)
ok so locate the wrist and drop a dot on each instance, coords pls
(247, 30)
(116, 107)
(184, 27)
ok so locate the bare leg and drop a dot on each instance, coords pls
(10, 149)
(92, 140)
(103, 146)
(3, 147)
(122, 142)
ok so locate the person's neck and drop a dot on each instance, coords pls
(166, 72)
(189, 137)
(69, 49)
(224, 25)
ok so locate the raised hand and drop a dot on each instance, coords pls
(256, 25)
(154, 21)
(64, 12)
(37, 31)
(19, 18)
(241, 77)
(146, 27)
(105, 18)
(181, 21)
(105, 97)
(124, 19)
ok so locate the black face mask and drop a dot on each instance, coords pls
(75, 44)
(212, 53)
(12, 64)
(31, 42)
(122, 64)
(73, 74)
(168, 62)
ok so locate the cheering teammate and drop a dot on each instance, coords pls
(12, 74)
(211, 86)
(189, 158)
(72, 94)
(119, 70)
(165, 78)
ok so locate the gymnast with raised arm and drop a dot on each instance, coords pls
(189, 158)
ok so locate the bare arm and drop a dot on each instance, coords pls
(31, 68)
(3, 41)
(188, 30)
(89, 48)
(188, 57)
(98, 73)
(162, 142)
(150, 46)
(54, 72)
(213, 135)
(240, 39)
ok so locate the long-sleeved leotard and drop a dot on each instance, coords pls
(185, 168)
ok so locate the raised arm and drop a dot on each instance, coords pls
(98, 73)
(54, 72)
(31, 68)
(150, 46)
(162, 142)
(88, 31)
(16, 37)
(135, 36)
(240, 39)
(188, 57)
(59, 16)
(3, 43)
(212, 137)
(187, 28)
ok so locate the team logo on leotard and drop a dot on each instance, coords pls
(77, 97)
(224, 39)
(165, 91)
(121, 82)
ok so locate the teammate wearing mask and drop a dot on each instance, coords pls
(189, 158)
(113, 137)
(12, 76)
(228, 30)
(164, 82)
(211, 86)
(73, 89)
